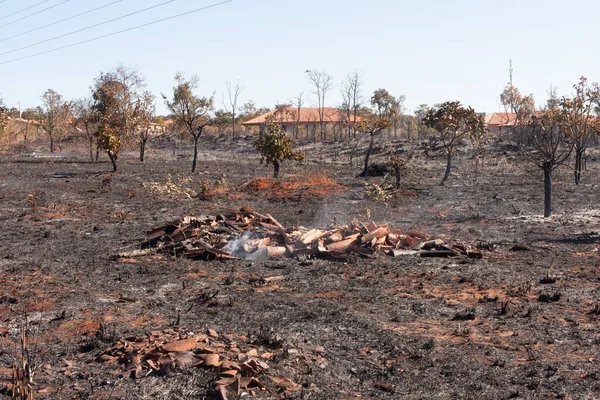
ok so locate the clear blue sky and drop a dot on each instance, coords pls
(429, 50)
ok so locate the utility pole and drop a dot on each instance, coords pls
(510, 71)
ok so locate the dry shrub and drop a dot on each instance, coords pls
(23, 370)
(384, 192)
(305, 186)
(31, 200)
(210, 190)
(379, 192)
(177, 188)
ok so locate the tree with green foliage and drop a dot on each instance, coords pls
(452, 123)
(109, 119)
(116, 96)
(192, 112)
(275, 146)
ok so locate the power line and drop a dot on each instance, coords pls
(118, 32)
(88, 27)
(59, 21)
(35, 13)
(25, 9)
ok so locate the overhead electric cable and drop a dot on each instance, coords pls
(117, 32)
(88, 27)
(25, 9)
(35, 13)
(60, 20)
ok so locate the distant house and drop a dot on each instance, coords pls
(500, 122)
(22, 130)
(504, 122)
(304, 121)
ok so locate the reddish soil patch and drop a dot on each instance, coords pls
(309, 186)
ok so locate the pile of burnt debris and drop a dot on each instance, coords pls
(238, 366)
(249, 235)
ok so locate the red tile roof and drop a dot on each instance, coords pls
(501, 119)
(307, 115)
(504, 118)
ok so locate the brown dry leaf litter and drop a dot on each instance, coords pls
(253, 236)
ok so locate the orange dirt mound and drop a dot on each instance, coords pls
(318, 185)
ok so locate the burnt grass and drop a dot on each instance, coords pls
(515, 324)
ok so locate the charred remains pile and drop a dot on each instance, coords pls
(159, 353)
(249, 235)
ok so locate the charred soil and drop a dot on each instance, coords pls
(522, 322)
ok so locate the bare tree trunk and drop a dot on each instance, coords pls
(354, 123)
(275, 169)
(397, 172)
(547, 189)
(348, 111)
(51, 144)
(113, 160)
(92, 148)
(142, 149)
(233, 93)
(97, 153)
(368, 155)
(25, 135)
(233, 123)
(322, 132)
(195, 159)
(579, 153)
(448, 168)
